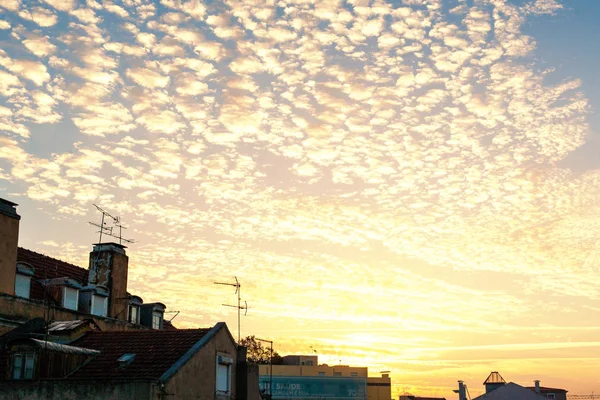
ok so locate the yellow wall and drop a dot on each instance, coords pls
(379, 388)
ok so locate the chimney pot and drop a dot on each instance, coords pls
(537, 386)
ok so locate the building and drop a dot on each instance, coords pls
(411, 397)
(134, 364)
(548, 392)
(302, 377)
(33, 285)
(496, 388)
(71, 332)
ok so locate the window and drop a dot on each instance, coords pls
(337, 374)
(551, 395)
(22, 285)
(134, 314)
(224, 374)
(23, 365)
(353, 373)
(321, 373)
(70, 298)
(99, 305)
(156, 320)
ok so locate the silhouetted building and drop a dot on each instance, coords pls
(496, 388)
(120, 365)
(33, 285)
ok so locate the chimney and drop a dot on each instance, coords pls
(108, 268)
(537, 386)
(9, 241)
(462, 392)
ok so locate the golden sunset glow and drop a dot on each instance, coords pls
(409, 185)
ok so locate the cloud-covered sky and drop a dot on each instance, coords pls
(411, 185)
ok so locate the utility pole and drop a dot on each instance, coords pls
(270, 367)
(239, 306)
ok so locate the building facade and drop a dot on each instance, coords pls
(302, 377)
(140, 364)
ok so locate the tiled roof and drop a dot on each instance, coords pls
(168, 325)
(155, 352)
(49, 268)
(547, 389)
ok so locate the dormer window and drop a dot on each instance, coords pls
(152, 315)
(135, 305)
(99, 305)
(134, 314)
(70, 298)
(157, 320)
(23, 280)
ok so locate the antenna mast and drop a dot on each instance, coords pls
(108, 230)
(239, 306)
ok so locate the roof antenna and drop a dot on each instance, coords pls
(239, 306)
(108, 230)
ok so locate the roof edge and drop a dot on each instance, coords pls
(173, 369)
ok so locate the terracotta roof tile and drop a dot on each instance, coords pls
(155, 352)
(48, 268)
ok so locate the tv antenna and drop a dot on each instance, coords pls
(105, 229)
(239, 306)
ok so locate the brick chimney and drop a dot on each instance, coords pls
(108, 268)
(9, 240)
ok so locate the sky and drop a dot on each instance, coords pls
(410, 185)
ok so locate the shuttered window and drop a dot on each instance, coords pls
(70, 298)
(223, 384)
(22, 285)
(99, 305)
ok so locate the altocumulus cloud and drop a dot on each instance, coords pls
(318, 146)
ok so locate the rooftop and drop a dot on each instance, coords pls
(494, 377)
(49, 268)
(511, 391)
(155, 352)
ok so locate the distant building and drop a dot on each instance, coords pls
(496, 388)
(411, 397)
(33, 285)
(301, 377)
(548, 392)
(124, 365)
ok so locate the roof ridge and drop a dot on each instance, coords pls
(149, 330)
(52, 258)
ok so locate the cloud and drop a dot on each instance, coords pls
(61, 5)
(39, 46)
(411, 156)
(31, 70)
(148, 78)
(41, 16)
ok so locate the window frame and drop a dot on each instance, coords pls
(104, 309)
(226, 362)
(64, 299)
(137, 309)
(22, 278)
(22, 366)
(158, 315)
